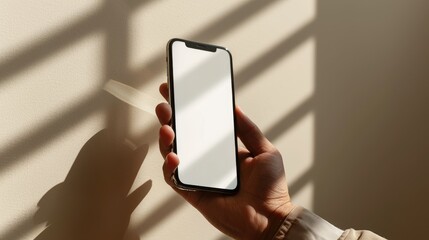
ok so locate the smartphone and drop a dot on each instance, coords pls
(200, 80)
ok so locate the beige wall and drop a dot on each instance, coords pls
(341, 87)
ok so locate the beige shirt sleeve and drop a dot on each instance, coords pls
(351, 234)
(302, 224)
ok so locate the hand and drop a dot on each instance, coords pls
(262, 202)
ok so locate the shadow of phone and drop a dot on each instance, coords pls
(93, 201)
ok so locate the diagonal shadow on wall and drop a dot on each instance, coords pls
(42, 50)
(114, 66)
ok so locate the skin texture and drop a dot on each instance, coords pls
(263, 201)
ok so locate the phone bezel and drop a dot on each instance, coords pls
(205, 47)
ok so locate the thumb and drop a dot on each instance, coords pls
(250, 135)
(134, 199)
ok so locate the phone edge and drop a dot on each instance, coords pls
(175, 177)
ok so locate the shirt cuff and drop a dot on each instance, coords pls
(304, 224)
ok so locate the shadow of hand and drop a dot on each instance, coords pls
(93, 200)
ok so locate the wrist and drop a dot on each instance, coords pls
(276, 219)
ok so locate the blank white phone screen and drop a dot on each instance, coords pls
(204, 123)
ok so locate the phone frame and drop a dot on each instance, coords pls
(175, 176)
